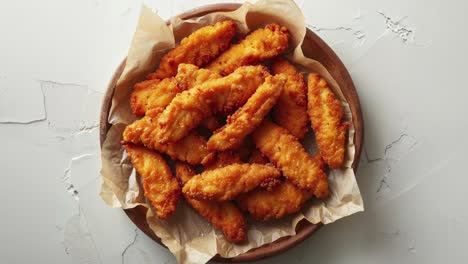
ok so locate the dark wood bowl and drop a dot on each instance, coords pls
(314, 47)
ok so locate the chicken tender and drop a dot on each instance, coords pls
(249, 116)
(283, 199)
(274, 203)
(224, 95)
(226, 183)
(198, 48)
(291, 110)
(285, 151)
(160, 187)
(256, 157)
(262, 44)
(157, 94)
(226, 158)
(325, 112)
(223, 215)
(191, 149)
(141, 92)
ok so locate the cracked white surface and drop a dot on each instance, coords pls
(407, 59)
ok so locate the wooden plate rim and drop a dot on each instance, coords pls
(304, 228)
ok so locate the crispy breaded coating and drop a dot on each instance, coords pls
(291, 110)
(160, 187)
(223, 215)
(141, 92)
(224, 95)
(325, 112)
(226, 183)
(262, 44)
(157, 94)
(283, 199)
(224, 159)
(189, 75)
(249, 116)
(270, 183)
(256, 157)
(278, 201)
(287, 153)
(191, 149)
(198, 48)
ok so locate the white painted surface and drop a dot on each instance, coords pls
(407, 59)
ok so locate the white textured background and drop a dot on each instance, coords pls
(407, 59)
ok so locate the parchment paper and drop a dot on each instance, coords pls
(187, 235)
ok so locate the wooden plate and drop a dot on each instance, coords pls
(314, 48)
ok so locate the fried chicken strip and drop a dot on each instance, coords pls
(198, 48)
(283, 199)
(223, 215)
(226, 158)
(325, 112)
(256, 157)
(160, 187)
(249, 116)
(226, 183)
(287, 153)
(262, 44)
(224, 95)
(157, 94)
(191, 149)
(141, 92)
(291, 110)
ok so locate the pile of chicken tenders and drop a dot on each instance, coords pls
(232, 126)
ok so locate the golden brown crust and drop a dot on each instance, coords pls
(226, 183)
(285, 151)
(277, 201)
(141, 92)
(157, 94)
(257, 157)
(191, 149)
(262, 44)
(291, 110)
(283, 199)
(223, 215)
(198, 48)
(249, 116)
(160, 187)
(224, 95)
(270, 183)
(325, 112)
(189, 75)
